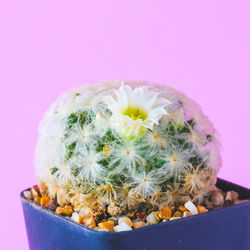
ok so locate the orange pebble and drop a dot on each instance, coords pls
(182, 208)
(67, 210)
(45, 200)
(37, 199)
(201, 209)
(164, 213)
(186, 214)
(138, 224)
(89, 222)
(108, 225)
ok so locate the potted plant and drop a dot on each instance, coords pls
(131, 165)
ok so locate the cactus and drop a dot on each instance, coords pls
(124, 145)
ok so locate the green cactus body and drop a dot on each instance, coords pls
(126, 143)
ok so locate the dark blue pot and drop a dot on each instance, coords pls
(222, 229)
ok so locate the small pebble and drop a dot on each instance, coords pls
(182, 208)
(152, 219)
(27, 194)
(89, 222)
(229, 196)
(53, 205)
(201, 209)
(67, 210)
(126, 220)
(187, 213)
(76, 217)
(122, 227)
(138, 224)
(45, 200)
(235, 195)
(37, 199)
(215, 200)
(109, 225)
(191, 207)
(229, 199)
(35, 191)
(164, 213)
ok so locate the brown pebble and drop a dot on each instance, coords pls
(141, 216)
(214, 200)
(53, 205)
(235, 196)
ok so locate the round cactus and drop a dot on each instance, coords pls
(125, 143)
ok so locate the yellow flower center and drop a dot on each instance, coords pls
(135, 113)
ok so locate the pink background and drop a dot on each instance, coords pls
(47, 47)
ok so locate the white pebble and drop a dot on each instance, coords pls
(27, 195)
(189, 205)
(75, 217)
(151, 218)
(122, 227)
(126, 220)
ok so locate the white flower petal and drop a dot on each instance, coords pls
(133, 110)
